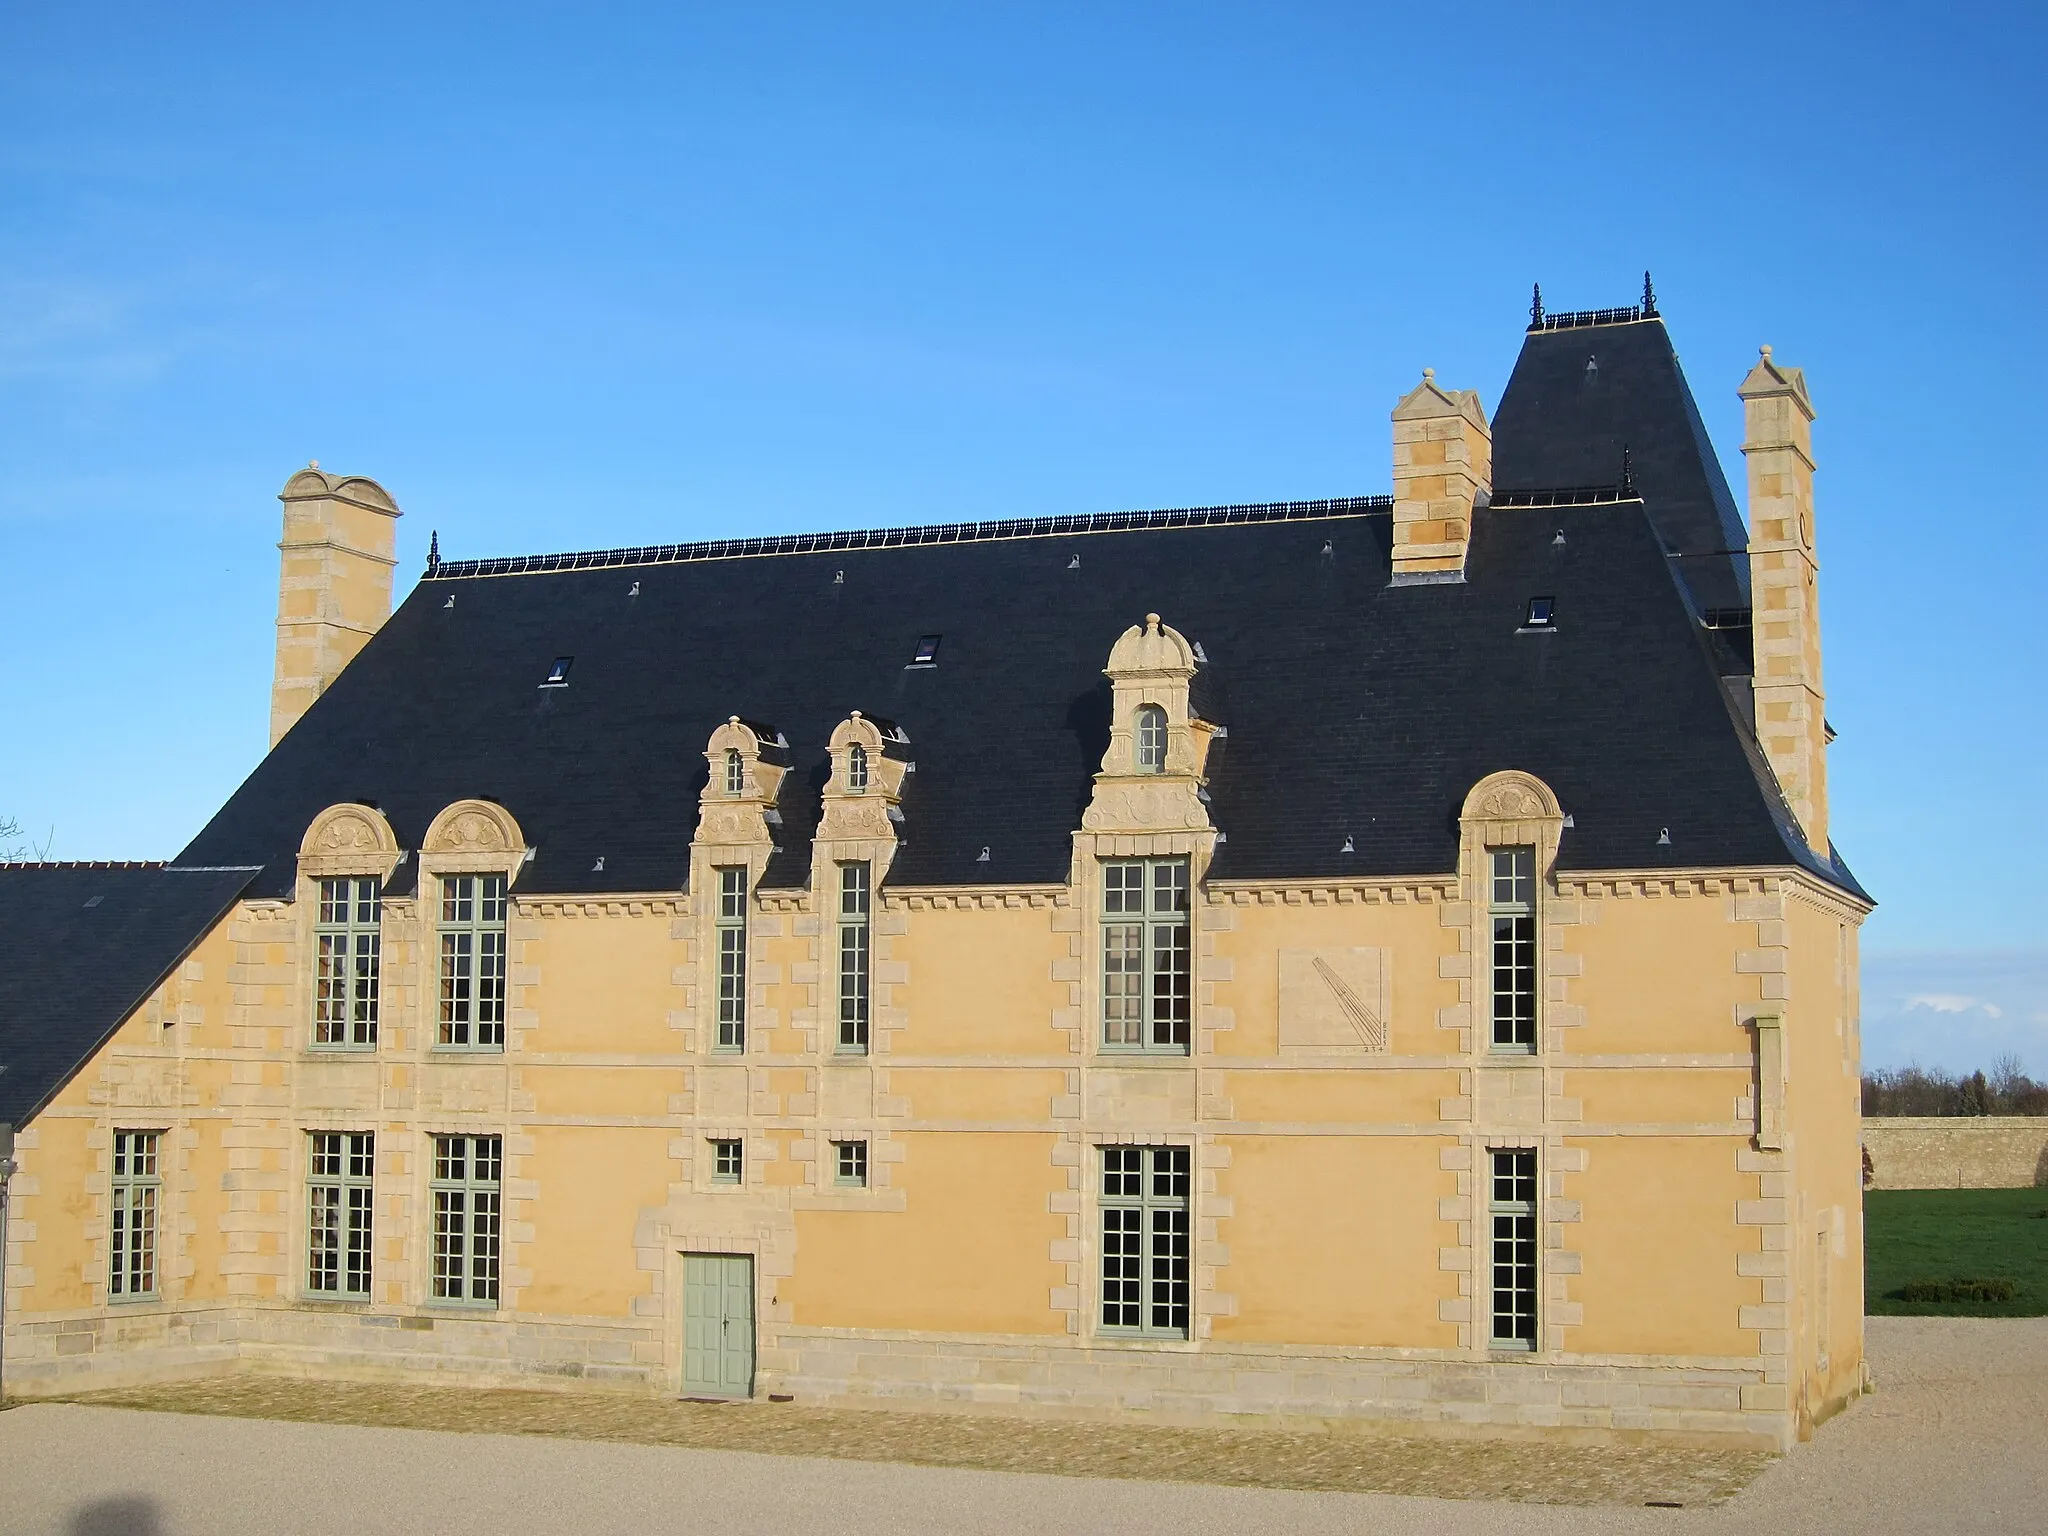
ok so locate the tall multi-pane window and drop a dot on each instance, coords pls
(468, 1171)
(1145, 1240)
(473, 962)
(735, 772)
(1512, 1209)
(1511, 906)
(856, 769)
(1147, 971)
(131, 1255)
(853, 957)
(339, 1195)
(345, 983)
(1151, 739)
(732, 958)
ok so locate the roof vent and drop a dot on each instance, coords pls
(1074, 564)
(1663, 837)
(982, 857)
(839, 578)
(1568, 820)
(558, 674)
(1560, 537)
(598, 867)
(1200, 655)
(634, 590)
(1349, 846)
(93, 901)
(451, 601)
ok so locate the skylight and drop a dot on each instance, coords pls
(927, 652)
(558, 674)
(1541, 611)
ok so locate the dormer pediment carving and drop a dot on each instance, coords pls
(477, 836)
(349, 839)
(1153, 772)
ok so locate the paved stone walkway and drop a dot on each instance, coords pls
(1952, 1442)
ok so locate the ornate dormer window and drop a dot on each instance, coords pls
(468, 859)
(865, 787)
(347, 856)
(1510, 829)
(746, 763)
(1150, 735)
(1152, 774)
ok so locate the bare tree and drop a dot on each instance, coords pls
(16, 844)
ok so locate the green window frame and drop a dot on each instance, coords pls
(1149, 739)
(728, 1160)
(1147, 956)
(850, 1164)
(468, 1193)
(1146, 1241)
(855, 957)
(731, 927)
(132, 1228)
(1511, 912)
(472, 930)
(340, 1197)
(348, 940)
(1511, 1208)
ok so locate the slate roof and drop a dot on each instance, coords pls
(85, 945)
(1355, 709)
(1579, 397)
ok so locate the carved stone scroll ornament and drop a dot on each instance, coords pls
(474, 834)
(348, 839)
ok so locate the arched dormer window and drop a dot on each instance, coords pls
(1150, 735)
(735, 772)
(856, 769)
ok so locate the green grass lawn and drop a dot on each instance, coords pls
(1956, 1234)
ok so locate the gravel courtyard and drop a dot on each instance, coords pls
(1952, 1441)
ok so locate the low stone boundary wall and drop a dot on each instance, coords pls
(1956, 1152)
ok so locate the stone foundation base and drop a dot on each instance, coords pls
(1710, 1402)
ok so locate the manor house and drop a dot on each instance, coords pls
(1377, 959)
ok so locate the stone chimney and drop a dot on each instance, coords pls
(1791, 723)
(334, 583)
(1443, 468)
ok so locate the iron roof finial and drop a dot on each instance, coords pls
(1649, 297)
(434, 552)
(1628, 477)
(1536, 308)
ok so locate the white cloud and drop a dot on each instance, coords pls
(1949, 1002)
(1958, 1010)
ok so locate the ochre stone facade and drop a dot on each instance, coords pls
(1686, 1273)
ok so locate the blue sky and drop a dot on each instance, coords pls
(609, 275)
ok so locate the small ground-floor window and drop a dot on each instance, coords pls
(131, 1268)
(1145, 1273)
(467, 1174)
(339, 1196)
(1512, 1208)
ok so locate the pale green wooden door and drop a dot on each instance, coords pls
(718, 1325)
